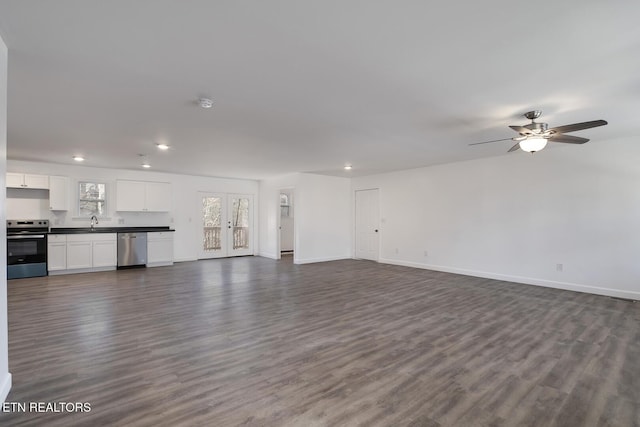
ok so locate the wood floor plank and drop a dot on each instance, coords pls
(255, 342)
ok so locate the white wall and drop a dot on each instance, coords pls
(5, 376)
(516, 217)
(322, 225)
(183, 218)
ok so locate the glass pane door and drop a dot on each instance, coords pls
(213, 235)
(240, 219)
(226, 221)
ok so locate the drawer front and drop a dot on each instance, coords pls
(159, 235)
(79, 237)
(92, 237)
(57, 238)
(104, 237)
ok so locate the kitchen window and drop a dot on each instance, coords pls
(92, 199)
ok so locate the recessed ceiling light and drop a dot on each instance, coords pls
(144, 161)
(348, 167)
(162, 146)
(78, 158)
(206, 103)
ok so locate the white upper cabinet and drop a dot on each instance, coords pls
(26, 180)
(58, 193)
(130, 196)
(142, 196)
(158, 196)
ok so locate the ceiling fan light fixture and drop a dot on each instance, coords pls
(535, 135)
(533, 144)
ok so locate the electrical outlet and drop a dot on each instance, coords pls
(397, 251)
(120, 220)
(559, 267)
(426, 253)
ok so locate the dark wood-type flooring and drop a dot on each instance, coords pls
(256, 342)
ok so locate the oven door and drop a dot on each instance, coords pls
(26, 255)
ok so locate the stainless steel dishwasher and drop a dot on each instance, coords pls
(132, 250)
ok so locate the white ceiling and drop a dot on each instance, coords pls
(309, 86)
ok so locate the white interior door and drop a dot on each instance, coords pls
(367, 224)
(226, 225)
(286, 226)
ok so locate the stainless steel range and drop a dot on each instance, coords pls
(27, 248)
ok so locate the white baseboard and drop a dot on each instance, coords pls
(81, 270)
(159, 264)
(312, 260)
(5, 387)
(267, 255)
(188, 259)
(618, 293)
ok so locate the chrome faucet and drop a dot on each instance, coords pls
(94, 221)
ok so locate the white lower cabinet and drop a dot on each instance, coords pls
(82, 252)
(159, 249)
(57, 252)
(78, 253)
(104, 253)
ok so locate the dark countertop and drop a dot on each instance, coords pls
(85, 230)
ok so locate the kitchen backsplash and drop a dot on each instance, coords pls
(27, 204)
(34, 204)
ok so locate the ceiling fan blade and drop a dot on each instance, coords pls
(514, 148)
(487, 142)
(578, 126)
(568, 139)
(522, 130)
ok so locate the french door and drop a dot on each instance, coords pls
(225, 225)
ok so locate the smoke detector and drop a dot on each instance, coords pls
(206, 103)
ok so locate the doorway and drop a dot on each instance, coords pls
(225, 225)
(286, 227)
(367, 224)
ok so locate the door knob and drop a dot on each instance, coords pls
(376, 230)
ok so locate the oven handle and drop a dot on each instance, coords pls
(30, 236)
